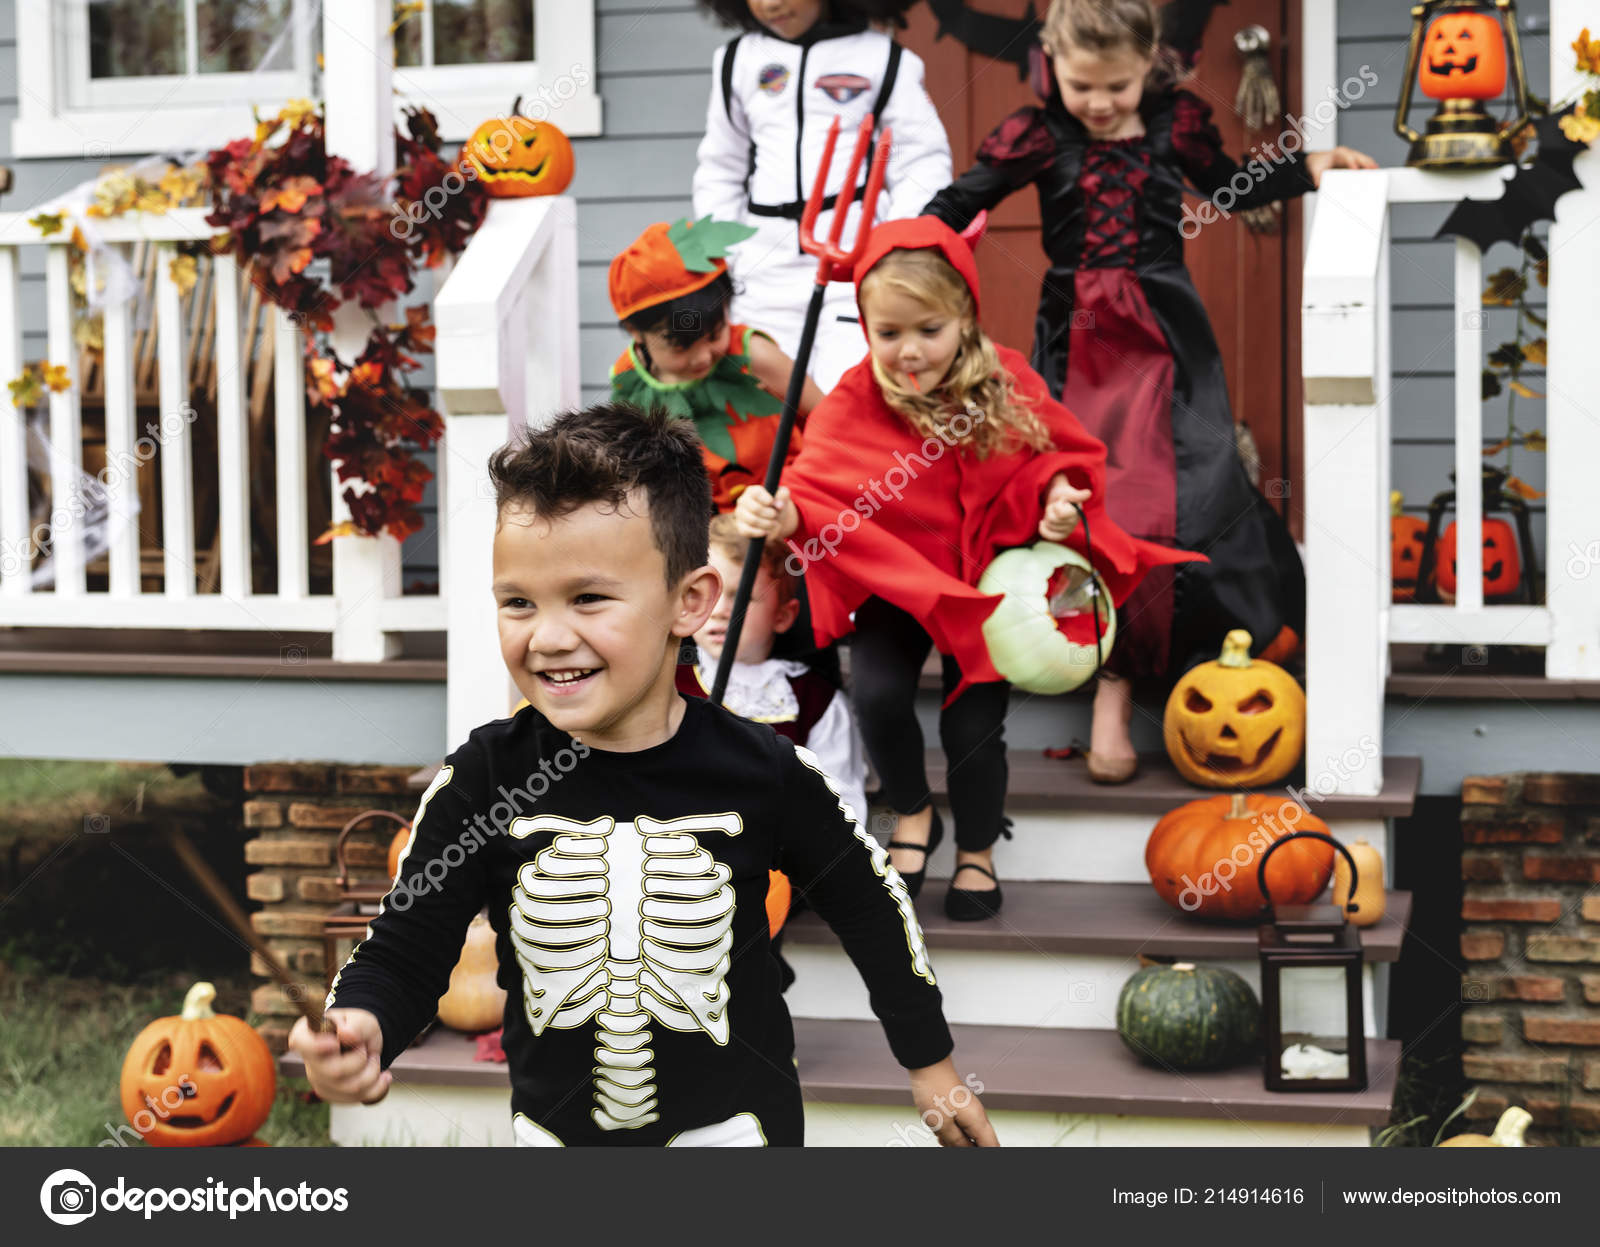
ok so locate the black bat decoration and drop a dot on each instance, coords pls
(1530, 195)
(1007, 39)
(1004, 39)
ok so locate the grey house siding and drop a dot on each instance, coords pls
(653, 69)
(1373, 33)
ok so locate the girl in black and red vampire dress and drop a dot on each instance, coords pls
(1123, 341)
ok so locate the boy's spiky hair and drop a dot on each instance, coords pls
(735, 14)
(601, 455)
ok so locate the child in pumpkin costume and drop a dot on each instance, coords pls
(670, 290)
(953, 450)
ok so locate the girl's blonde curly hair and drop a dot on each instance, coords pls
(976, 381)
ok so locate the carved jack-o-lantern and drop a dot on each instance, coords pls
(1463, 58)
(200, 1079)
(1042, 636)
(1406, 534)
(1502, 560)
(517, 157)
(1237, 722)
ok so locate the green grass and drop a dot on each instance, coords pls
(49, 797)
(61, 1052)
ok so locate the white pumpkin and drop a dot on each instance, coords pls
(1042, 636)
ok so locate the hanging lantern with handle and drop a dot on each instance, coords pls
(1312, 1018)
(1461, 52)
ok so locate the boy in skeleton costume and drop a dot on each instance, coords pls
(621, 836)
(775, 89)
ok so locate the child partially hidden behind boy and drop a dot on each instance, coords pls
(628, 899)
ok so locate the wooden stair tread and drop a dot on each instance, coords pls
(1104, 919)
(1022, 1068)
(1040, 783)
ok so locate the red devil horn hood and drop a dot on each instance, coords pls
(913, 234)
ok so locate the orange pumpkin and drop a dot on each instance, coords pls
(1203, 856)
(474, 1000)
(396, 847)
(1463, 57)
(779, 897)
(516, 157)
(200, 1079)
(1502, 560)
(1237, 722)
(1405, 551)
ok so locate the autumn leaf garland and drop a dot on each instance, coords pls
(313, 234)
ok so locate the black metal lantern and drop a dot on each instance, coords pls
(1312, 1024)
(1516, 582)
(345, 925)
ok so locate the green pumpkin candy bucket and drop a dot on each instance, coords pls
(1056, 624)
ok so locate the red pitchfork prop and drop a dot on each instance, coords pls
(833, 263)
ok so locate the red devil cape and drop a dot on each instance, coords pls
(916, 522)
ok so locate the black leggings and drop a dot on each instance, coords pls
(886, 656)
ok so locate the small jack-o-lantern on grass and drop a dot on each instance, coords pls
(1502, 561)
(1406, 533)
(201, 1079)
(516, 156)
(1237, 722)
(1463, 58)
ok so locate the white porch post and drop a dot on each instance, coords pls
(1572, 385)
(1345, 349)
(357, 84)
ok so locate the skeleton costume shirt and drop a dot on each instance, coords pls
(772, 101)
(627, 893)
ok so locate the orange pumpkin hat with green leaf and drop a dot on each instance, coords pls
(667, 262)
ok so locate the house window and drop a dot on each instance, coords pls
(102, 78)
(142, 53)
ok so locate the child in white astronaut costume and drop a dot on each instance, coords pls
(775, 89)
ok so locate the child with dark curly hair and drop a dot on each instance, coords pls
(797, 65)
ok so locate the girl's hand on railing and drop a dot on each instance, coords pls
(1060, 517)
(1318, 163)
(759, 514)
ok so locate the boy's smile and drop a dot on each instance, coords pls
(588, 627)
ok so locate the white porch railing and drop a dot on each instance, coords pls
(507, 344)
(67, 603)
(1346, 351)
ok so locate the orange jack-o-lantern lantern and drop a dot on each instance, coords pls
(201, 1079)
(516, 157)
(1405, 551)
(1463, 57)
(1502, 560)
(397, 846)
(1237, 722)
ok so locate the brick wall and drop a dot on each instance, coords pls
(295, 811)
(1531, 943)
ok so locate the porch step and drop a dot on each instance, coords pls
(1106, 920)
(1040, 1087)
(1036, 782)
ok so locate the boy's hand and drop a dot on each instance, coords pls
(1059, 516)
(759, 514)
(344, 1069)
(950, 1108)
(1318, 163)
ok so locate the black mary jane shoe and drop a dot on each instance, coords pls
(962, 905)
(913, 881)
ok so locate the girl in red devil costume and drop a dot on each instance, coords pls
(932, 455)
